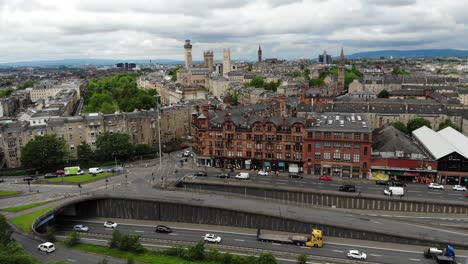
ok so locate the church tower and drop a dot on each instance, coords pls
(227, 61)
(341, 74)
(259, 53)
(188, 54)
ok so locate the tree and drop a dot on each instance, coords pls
(44, 152)
(266, 258)
(296, 73)
(250, 67)
(316, 82)
(13, 253)
(257, 82)
(302, 259)
(400, 126)
(399, 71)
(233, 98)
(115, 240)
(196, 252)
(416, 123)
(85, 154)
(5, 231)
(50, 234)
(73, 239)
(109, 146)
(383, 94)
(448, 123)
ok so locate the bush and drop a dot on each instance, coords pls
(73, 239)
(174, 251)
(196, 252)
(266, 258)
(115, 240)
(130, 260)
(302, 259)
(50, 234)
(126, 242)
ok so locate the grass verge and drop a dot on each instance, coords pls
(80, 178)
(148, 257)
(19, 208)
(24, 222)
(8, 193)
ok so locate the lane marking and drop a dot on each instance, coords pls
(339, 251)
(139, 231)
(375, 255)
(71, 260)
(240, 240)
(173, 234)
(304, 247)
(412, 259)
(276, 244)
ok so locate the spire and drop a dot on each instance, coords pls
(342, 54)
(259, 48)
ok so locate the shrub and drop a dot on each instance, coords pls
(73, 239)
(50, 234)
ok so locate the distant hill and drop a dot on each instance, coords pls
(77, 62)
(428, 53)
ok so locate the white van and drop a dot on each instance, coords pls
(95, 170)
(394, 191)
(243, 176)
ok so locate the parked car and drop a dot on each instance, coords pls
(263, 173)
(46, 247)
(212, 238)
(459, 188)
(381, 182)
(186, 153)
(163, 229)
(30, 178)
(223, 175)
(200, 174)
(80, 228)
(435, 186)
(397, 183)
(347, 188)
(50, 175)
(95, 170)
(243, 176)
(355, 254)
(60, 172)
(325, 178)
(110, 224)
(296, 175)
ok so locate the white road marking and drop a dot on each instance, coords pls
(240, 240)
(71, 260)
(339, 251)
(276, 244)
(139, 231)
(173, 234)
(414, 259)
(374, 188)
(375, 255)
(305, 247)
(415, 191)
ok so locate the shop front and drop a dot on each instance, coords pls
(402, 174)
(453, 178)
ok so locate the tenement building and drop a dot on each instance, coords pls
(334, 144)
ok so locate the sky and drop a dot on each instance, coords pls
(286, 29)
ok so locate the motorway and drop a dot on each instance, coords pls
(242, 239)
(411, 190)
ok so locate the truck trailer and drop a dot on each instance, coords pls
(441, 256)
(315, 240)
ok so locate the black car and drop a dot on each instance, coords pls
(381, 182)
(347, 188)
(200, 173)
(163, 229)
(296, 175)
(30, 178)
(223, 175)
(50, 175)
(397, 183)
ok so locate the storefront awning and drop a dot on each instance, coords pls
(280, 164)
(267, 163)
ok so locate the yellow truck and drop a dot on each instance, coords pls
(314, 240)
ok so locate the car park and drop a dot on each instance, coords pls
(46, 247)
(459, 188)
(212, 238)
(296, 175)
(223, 175)
(356, 254)
(325, 178)
(30, 178)
(50, 175)
(435, 186)
(110, 224)
(347, 188)
(381, 182)
(243, 176)
(163, 229)
(80, 228)
(200, 174)
(263, 173)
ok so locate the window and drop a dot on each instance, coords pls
(269, 155)
(327, 144)
(327, 134)
(258, 128)
(336, 156)
(309, 147)
(364, 165)
(318, 144)
(239, 136)
(347, 135)
(347, 145)
(269, 146)
(219, 135)
(258, 137)
(270, 137)
(357, 135)
(309, 134)
(239, 145)
(279, 156)
(366, 136)
(248, 145)
(288, 156)
(298, 156)
(337, 145)
(279, 137)
(326, 155)
(346, 157)
(317, 156)
(356, 158)
(219, 144)
(337, 134)
(249, 136)
(288, 147)
(258, 146)
(365, 151)
(318, 134)
(279, 147)
(229, 127)
(269, 128)
(357, 146)
(249, 154)
(298, 129)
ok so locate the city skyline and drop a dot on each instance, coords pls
(35, 30)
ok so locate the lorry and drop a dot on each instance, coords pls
(75, 170)
(314, 240)
(441, 256)
(293, 170)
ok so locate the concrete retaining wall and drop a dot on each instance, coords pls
(329, 198)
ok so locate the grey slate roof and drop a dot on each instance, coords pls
(390, 139)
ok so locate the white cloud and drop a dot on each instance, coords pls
(144, 29)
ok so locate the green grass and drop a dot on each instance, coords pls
(148, 257)
(80, 178)
(24, 222)
(25, 206)
(8, 193)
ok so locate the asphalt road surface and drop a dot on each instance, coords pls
(379, 255)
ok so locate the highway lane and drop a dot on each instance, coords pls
(380, 255)
(411, 190)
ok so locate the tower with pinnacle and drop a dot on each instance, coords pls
(341, 74)
(188, 54)
(259, 53)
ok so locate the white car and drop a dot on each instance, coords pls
(263, 173)
(243, 176)
(459, 188)
(355, 254)
(212, 238)
(80, 228)
(110, 224)
(435, 186)
(186, 153)
(46, 247)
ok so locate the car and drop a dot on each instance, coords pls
(356, 254)
(243, 176)
(347, 188)
(80, 172)
(163, 229)
(459, 188)
(95, 170)
(466, 195)
(212, 238)
(30, 178)
(325, 178)
(80, 228)
(115, 169)
(186, 153)
(223, 175)
(263, 173)
(381, 182)
(200, 174)
(110, 224)
(46, 247)
(435, 186)
(397, 183)
(60, 172)
(50, 175)
(296, 175)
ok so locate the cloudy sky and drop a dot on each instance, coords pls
(291, 29)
